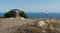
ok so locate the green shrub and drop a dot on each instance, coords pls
(12, 13)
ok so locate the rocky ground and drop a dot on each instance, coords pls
(16, 25)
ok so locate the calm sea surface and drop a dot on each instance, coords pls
(40, 15)
(43, 15)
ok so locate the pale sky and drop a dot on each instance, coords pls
(30, 5)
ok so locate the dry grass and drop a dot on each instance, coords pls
(27, 27)
(31, 29)
(56, 26)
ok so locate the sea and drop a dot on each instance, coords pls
(40, 15)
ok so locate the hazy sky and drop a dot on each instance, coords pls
(30, 5)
